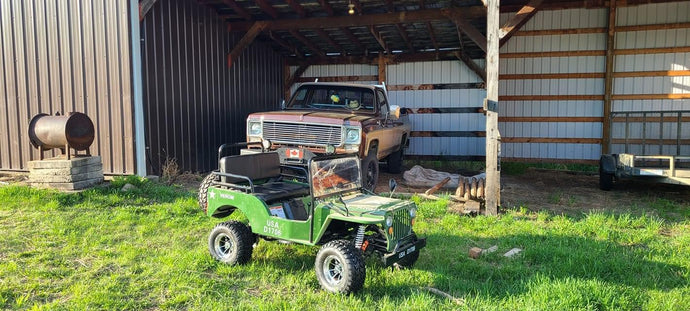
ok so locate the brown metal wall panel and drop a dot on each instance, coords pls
(193, 101)
(61, 56)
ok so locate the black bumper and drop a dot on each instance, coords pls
(404, 251)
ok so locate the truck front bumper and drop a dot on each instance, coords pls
(404, 251)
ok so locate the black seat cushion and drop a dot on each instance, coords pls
(255, 166)
(273, 191)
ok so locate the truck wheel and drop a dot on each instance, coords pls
(370, 171)
(605, 181)
(203, 190)
(231, 243)
(409, 260)
(340, 267)
(395, 161)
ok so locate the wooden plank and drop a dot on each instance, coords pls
(379, 39)
(551, 76)
(470, 63)
(669, 73)
(554, 54)
(652, 27)
(650, 96)
(608, 78)
(518, 20)
(447, 134)
(493, 172)
(550, 97)
(443, 110)
(337, 79)
(438, 86)
(404, 36)
(550, 119)
(417, 16)
(468, 29)
(558, 32)
(550, 160)
(248, 38)
(432, 35)
(382, 69)
(680, 49)
(559, 140)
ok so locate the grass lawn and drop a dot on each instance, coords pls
(146, 249)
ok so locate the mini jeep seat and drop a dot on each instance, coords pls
(263, 169)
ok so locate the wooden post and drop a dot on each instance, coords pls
(493, 174)
(608, 79)
(382, 69)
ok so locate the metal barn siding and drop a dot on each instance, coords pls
(193, 102)
(62, 56)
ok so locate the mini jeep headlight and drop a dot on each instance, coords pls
(413, 212)
(254, 128)
(352, 136)
(389, 221)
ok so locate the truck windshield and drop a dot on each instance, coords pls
(332, 97)
(332, 176)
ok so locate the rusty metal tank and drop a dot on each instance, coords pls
(74, 130)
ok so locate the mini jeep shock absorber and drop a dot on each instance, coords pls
(359, 239)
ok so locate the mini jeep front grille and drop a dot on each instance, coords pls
(402, 222)
(302, 134)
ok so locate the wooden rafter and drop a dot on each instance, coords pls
(481, 73)
(351, 36)
(429, 28)
(307, 43)
(268, 8)
(286, 45)
(400, 27)
(518, 20)
(379, 39)
(477, 37)
(323, 34)
(238, 9)
(290, 81)
(248, 38)
(297, 7)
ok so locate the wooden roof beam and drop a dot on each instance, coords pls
(323, 34)
(268, 8)
(432, 36)
(419, 16)
(248, 38)
(518, 20)
(286, 45)
(379, 39)
(401, 29)
(307, 43)
(465, 27)
(238, 9)
(351, 36)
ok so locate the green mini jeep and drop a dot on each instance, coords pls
(323, 204)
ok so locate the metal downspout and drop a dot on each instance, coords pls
(137, 89)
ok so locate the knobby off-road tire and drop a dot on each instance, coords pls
(340, 267)
(203, 190)
(231, 243)
(370, 171)
(395, 161)
(605, 181)
(409, 260)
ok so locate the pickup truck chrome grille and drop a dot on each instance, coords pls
(302, 134)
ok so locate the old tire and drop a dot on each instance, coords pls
(395, 161)
(340, 267)
(231, 243)
(409, 260)
(605, 181)
(370, 171)
(203, 190)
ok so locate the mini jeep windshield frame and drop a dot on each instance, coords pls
(333, 97)
(334, 175)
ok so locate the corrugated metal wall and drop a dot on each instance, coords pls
(62, 56)
(193, 102)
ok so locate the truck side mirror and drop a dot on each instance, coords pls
(282, 105)
(394, 112)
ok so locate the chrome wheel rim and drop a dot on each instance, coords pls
(333, 270)
(223, 245)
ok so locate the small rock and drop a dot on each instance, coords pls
(512, 252)
(127, 187)
(475, 252)
(490, 250)
(153, 178)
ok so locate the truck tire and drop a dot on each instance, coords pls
(231, 243)
(370, 171)
(340, 267)
(203, 190)
(395, 161)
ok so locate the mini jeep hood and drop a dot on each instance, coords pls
(323, 117)
(372, 204)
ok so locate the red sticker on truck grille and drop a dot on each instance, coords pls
(293, 153)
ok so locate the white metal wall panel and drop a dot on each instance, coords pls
(579, 108)
(572, 64)
(653, 38)
(564, 19)
(573, 42)
(658, 13)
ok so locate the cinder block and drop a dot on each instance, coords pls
(59, 162)
(70, 186)
(71, 178)
(67, 170)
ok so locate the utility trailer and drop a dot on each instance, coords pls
(655, 145)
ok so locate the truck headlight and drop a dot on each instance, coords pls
(254, 128)
(413, 212)
(389, 221)
(352, 136)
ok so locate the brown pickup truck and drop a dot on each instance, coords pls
(323, 118)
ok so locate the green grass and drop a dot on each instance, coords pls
(146, 249)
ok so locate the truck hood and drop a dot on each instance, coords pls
(306, 116)
(371, 204)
